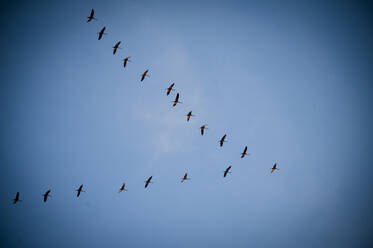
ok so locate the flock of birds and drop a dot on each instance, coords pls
(174, 103)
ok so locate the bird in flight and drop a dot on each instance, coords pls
(101, 33)
(46, 195)
(244, 152)
(222, 140)
(91, 16)
(274, 168)
(203, 127)
(116, 46)
(169, 89)
(227, 171)
(15, 200)
(189, 115)
(144, 75)
(123, 188)
(148, 181)
(125, 60)
(79, 190)
(185, 177)
(176, 101)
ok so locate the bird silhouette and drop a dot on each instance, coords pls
(227, 171)
(185, 177)
(222, 140)
(169, 89)
(15, 200)
(274, 168)
(244, 152)
(79, 190)
(203, 127)
(116, 46)
(189, 115)
(123, 188)
(176, 101)
(144, 75)
(45, 196)
(125, 60)
(91, 16)
(101, 33)
(148, 181)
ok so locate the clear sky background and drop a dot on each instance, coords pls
(292, 80)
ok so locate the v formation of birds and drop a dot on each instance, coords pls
(174, 103)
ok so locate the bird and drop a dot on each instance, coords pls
(185, 177)
(46, 195)
(116, 46)
(222, 140)
(176, 101)
(227, 171)
(91, 16)
(274, 168)
(101, 33)
(144, 75)
(244, 152)
(15, 200)
(169, 89)
(123, 188)
(189, 115)
(125, 60)
(203, 127)
(80, 189)
(148, 181)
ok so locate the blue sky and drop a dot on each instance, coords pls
(292, 80)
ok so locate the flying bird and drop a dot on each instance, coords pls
(176, 101)
(189, 115)
(185, 177)
(274, 168)
(227, 170)
(46, 195)
(123, 188)
(144, 75)
(15, 200)
(91, 16)
(244, 152)
(222, 140)
(169, 89)
(148, 181)
(125, 60)
(80, 189)
(101, 33)
(203, 127)
(116, 46)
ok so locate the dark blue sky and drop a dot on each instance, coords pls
(292, 80)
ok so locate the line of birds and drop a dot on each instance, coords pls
(174, 103)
